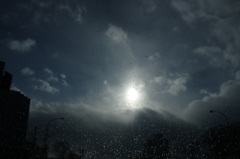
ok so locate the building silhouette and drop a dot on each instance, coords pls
(14, 110)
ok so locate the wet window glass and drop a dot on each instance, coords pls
(115, 79)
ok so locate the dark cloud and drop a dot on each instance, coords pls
(222, 17)
(225, 101)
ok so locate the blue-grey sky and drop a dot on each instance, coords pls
(80, 58)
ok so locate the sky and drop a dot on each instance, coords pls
(101, 63)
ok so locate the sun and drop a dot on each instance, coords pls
(132, 95)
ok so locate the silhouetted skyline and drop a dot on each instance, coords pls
(14, 110)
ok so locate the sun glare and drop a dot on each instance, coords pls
(132, 95)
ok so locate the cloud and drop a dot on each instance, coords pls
(65, 83)
(150, 5)
(186, 9)
(206, 50)
(63, 76)
(49, 11)
(51, 76)
(238, 75)
(177, 85)
(159, 80)
(76, 14)
(154, 57)
(48, 71)
(232, 54)
(116, 34)
(90, 108)
(63, 80)
(105, 82)
(22, 46)
(227, 32)
(37, 106)
(226, 101)
(109, 103)
(119, 44)
(204, 91)
(210, 10)
(172, 85)
(221, 16)
(45, 86)
(13, 87)
(27, 71)
(214, 54)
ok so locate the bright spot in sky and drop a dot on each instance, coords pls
(132, 95)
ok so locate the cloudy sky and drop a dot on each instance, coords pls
(108, 61)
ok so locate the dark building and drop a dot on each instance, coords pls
(14, 110)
